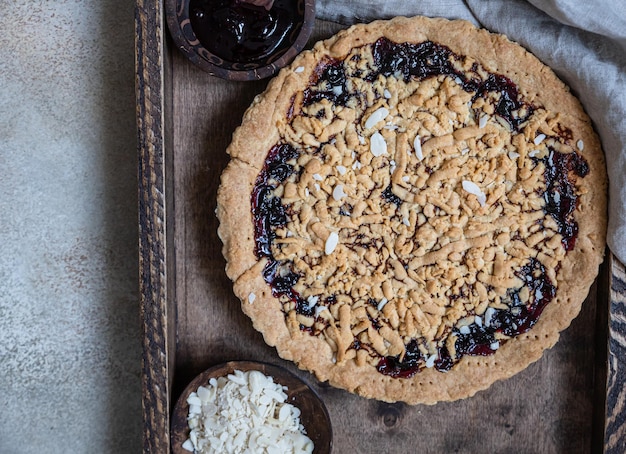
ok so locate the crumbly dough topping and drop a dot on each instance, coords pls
(432, 201)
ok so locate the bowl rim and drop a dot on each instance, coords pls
(179, 425)
(177, 17)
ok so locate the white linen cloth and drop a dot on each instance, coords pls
(584, 42)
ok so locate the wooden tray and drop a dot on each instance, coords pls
(571, 401)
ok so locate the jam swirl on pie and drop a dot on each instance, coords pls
(416, 208)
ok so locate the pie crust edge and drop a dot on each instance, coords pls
(257, 134)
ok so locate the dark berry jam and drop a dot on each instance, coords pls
(243, 33)
(560, 195)
(411, 60)
(522, 317)
(444, 361)
(268, 210)
(332, 72)
(478, 339)
(476, 342)
(420, 61)
(410, 364)
(428, 59)
(269, 213)
(390, 197)
(509, 103)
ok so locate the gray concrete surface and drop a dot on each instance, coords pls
(69, 327)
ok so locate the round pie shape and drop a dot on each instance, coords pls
(413, 209)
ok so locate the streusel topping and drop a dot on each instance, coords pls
(416, 208)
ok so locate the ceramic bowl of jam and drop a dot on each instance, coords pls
(240, 39)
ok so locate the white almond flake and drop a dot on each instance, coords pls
(533, 153)
(387, 94)
(390, 126)
(513, 155)
(331, 243)
(299, 69)
(539, 139)
(405, 221)
(406, 178)
(251, 298)
(319, 310)
(378, 146)
(318, 177)
(237, 378)
(342, 170)
(482, 122)
(361, 140)
(489, 313)
(473, 188)
(205, 393)
(478, 320)
(504, 123)
(494, 345)
(430, 362)
(580, 145)
(317, 186)
(246, 412)
(193, 399)
(464, 151)
(378, 115)
(458, 80)
(312, 301)
(417, 146)
(382, 304)
(338, 193)
(337, 90)
(307, 192)
(464, 330)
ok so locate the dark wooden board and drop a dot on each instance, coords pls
(192, 320)
(615, 417)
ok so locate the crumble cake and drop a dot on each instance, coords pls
(413, 209)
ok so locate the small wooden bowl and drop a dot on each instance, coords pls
(179, 24)
(314, 416)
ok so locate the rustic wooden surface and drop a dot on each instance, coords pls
(152, 242)
(615, 432)
(556, 405)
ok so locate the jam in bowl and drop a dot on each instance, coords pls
(240, 39)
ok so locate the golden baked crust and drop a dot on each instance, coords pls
(423, 220)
